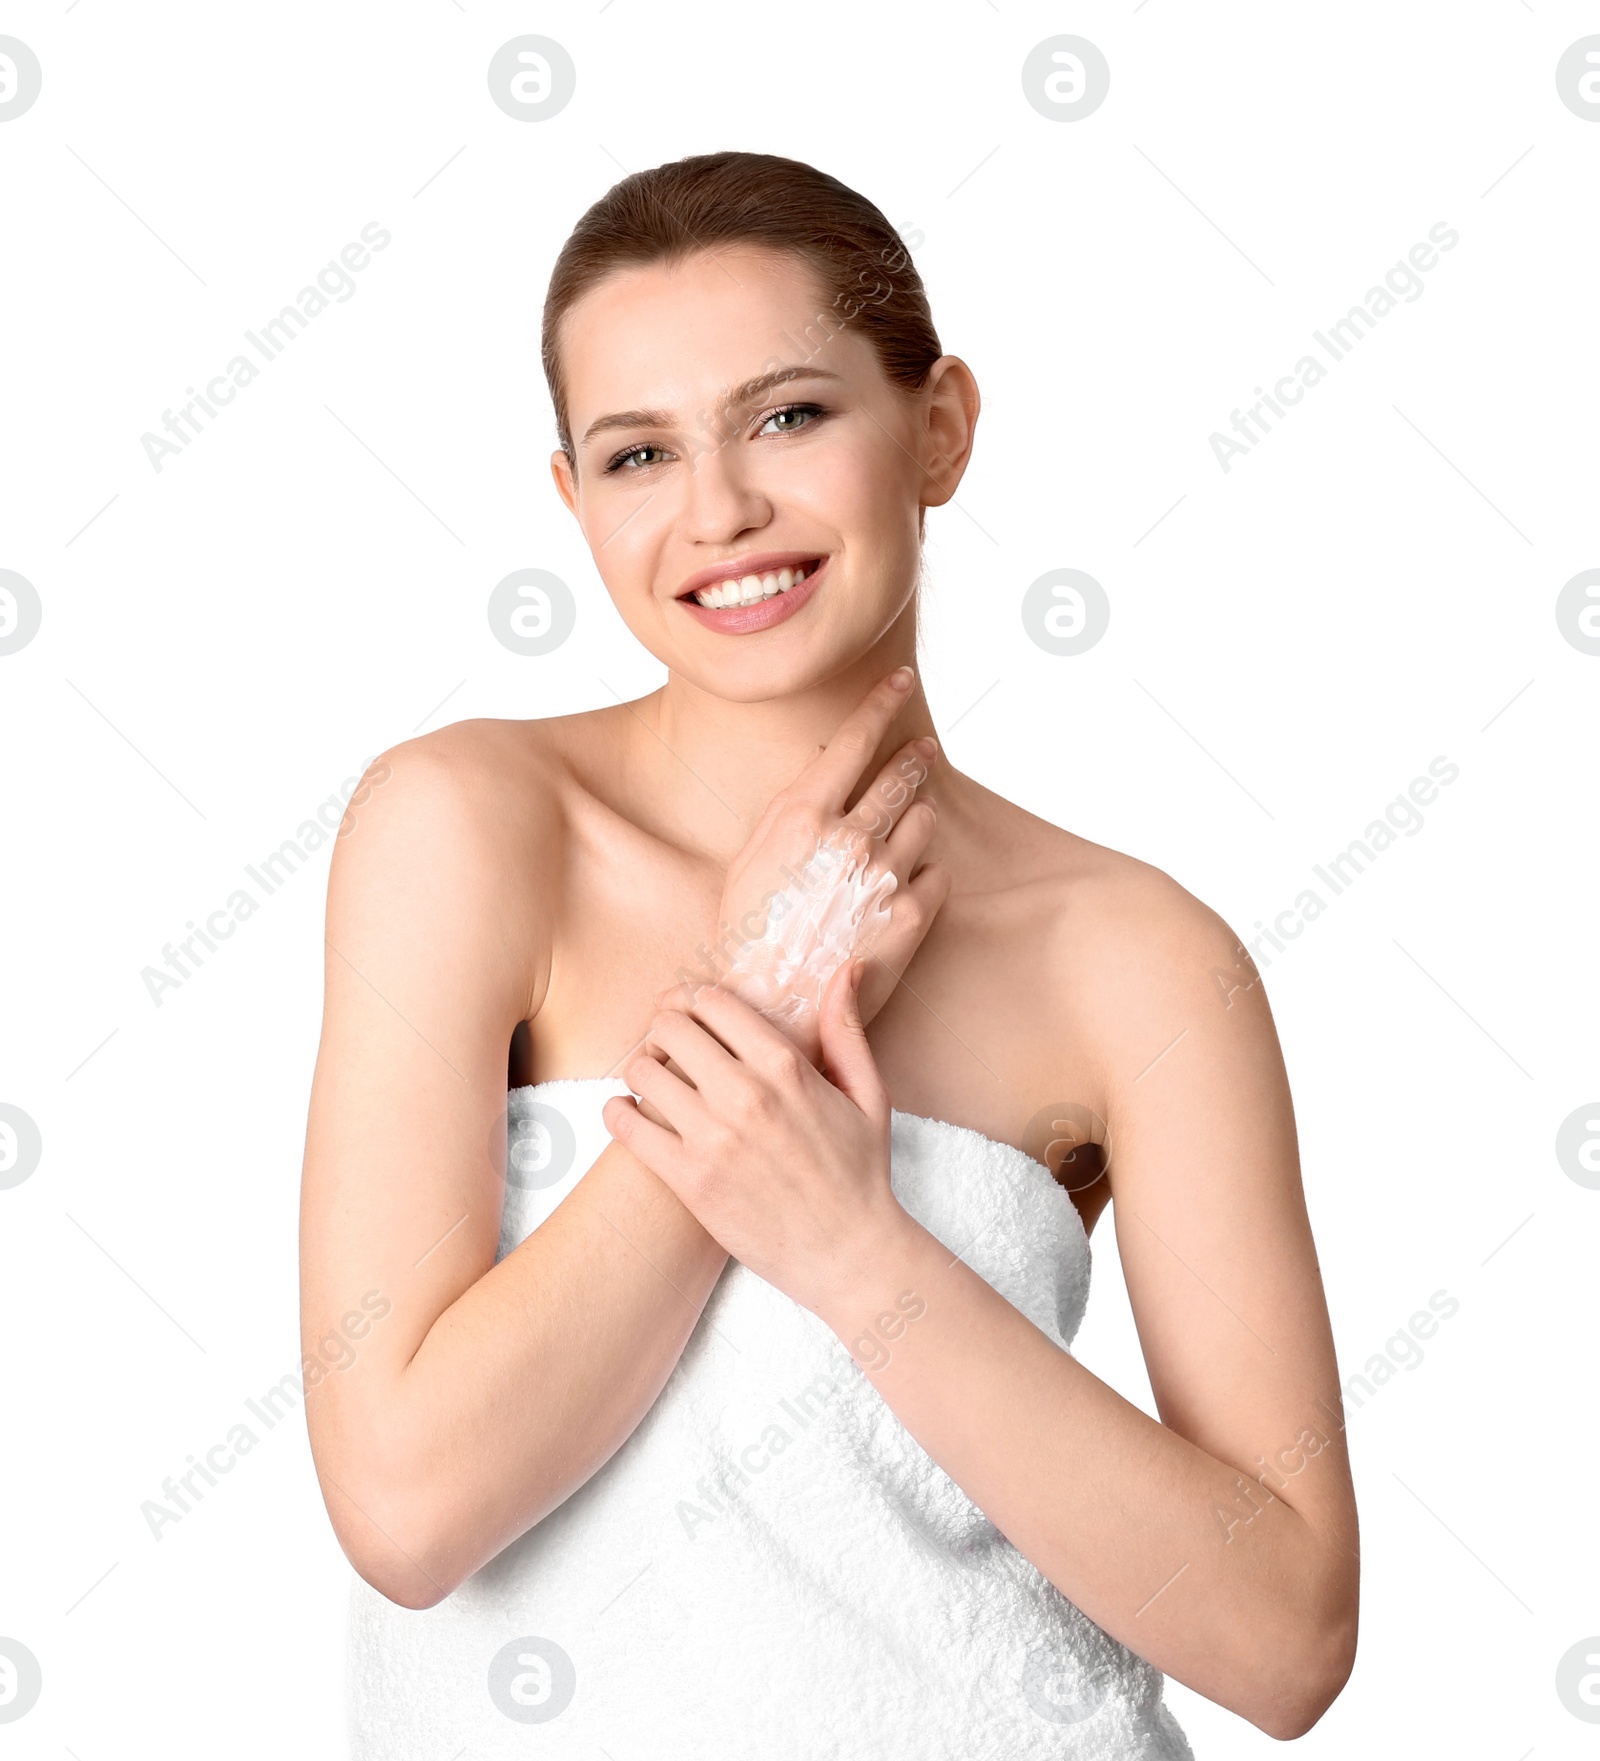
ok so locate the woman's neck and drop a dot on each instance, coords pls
(715, 764)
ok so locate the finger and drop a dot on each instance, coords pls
(908, 843)
(894, 788)
(699, 1054)
(847, 1059)
(746, 1032)
(830, 777)
(680, 992)
(670, 1095)
(912, 911)
(660, 1150)
(644, 1049)
(899, 856)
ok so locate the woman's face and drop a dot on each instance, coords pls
(731, 423)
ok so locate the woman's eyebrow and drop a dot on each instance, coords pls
(747, 393)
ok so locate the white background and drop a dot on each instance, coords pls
(227, 640)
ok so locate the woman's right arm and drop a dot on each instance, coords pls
(486, 1393)
(489, 1392)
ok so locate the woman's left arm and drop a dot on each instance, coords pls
(1219, 1544)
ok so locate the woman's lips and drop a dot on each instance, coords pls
(740, 620)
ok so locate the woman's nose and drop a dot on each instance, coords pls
(721, 498)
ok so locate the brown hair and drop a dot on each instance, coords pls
(669, 213)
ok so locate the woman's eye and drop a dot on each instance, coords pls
(789, 416)
(625, 459)
(789, 420)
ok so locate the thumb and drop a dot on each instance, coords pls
(847, 1059)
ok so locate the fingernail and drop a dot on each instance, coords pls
(927, 747)
(901, 678)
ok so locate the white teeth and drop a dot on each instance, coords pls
(752, 589)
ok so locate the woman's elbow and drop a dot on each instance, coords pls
(410, 1587)
(403, 1545)
(1313, 1681)
(408, 1570)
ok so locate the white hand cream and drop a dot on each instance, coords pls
(834, 909)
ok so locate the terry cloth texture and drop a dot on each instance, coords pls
(770, 1564)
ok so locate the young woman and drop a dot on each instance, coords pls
(737, 1407)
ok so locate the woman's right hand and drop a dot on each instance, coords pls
(887, 830)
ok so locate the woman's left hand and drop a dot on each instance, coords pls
(787, 1167)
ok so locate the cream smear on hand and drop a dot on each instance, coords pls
(832, 910)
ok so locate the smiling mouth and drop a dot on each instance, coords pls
(752, 589)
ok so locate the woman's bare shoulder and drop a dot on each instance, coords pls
(505, 785)
(1121, 965)
(1106, 915)
(470, 820)
(453, 857)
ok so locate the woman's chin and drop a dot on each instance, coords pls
(759, 678)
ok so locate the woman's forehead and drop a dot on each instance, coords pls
(676, 337)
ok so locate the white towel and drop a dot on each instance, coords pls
(771, 1563)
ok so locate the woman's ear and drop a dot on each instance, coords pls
(952, 420)
(566, 486)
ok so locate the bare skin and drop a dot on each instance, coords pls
(522, 896)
